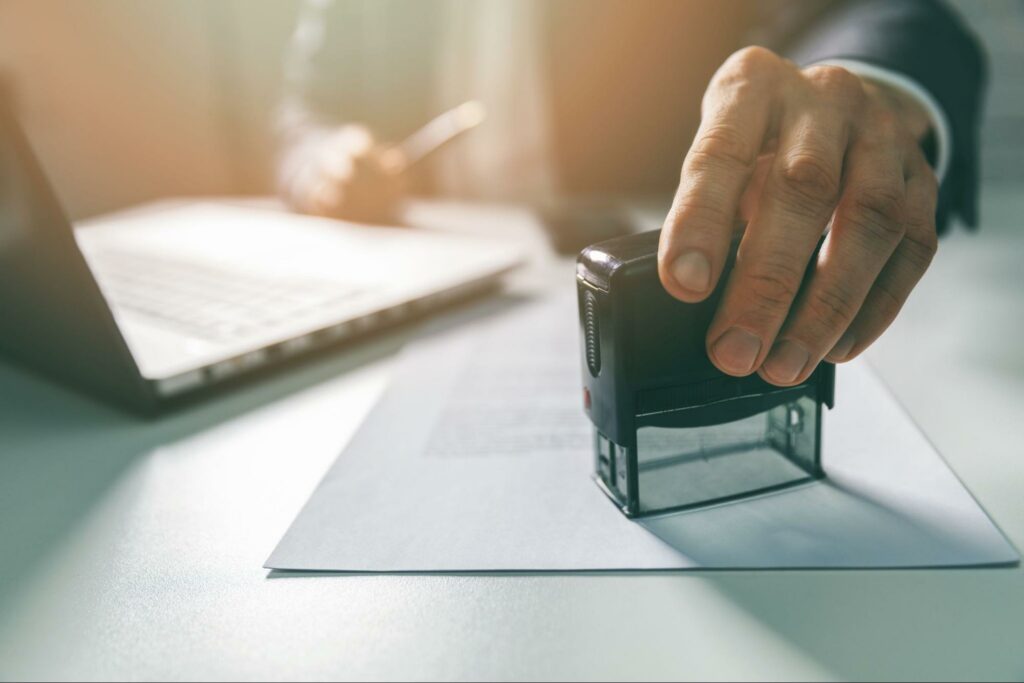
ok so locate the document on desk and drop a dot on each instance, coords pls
(479, 458)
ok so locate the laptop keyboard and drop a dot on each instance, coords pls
(209, 301)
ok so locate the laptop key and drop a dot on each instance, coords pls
(218, 303)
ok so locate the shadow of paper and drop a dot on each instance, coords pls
(61, 452)
(822, 524)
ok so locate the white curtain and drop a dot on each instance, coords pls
(492, 51)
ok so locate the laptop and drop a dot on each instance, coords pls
(154, 305)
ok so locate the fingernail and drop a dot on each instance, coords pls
(843, 347)
(692, 271)
(786, 361)
(736, 351)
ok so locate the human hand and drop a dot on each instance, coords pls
(349, 176)
(792, 152)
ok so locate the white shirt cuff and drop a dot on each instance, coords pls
(913, 89)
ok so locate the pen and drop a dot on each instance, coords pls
(433, 135)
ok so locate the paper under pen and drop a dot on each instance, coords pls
(435, 134)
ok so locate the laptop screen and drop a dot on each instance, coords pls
(53, 317)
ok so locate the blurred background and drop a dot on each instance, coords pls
(128, 100)
(1000, 23)
(195, 84)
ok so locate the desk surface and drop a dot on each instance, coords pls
(133, 549)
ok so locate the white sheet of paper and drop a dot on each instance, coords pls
(479, 458)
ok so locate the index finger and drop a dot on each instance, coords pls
(738, 113)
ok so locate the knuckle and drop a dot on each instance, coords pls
(773, 286)
(722, 143)
(835, 82)
(700, 218)
(809, 180)
(879, 211)
(731, 89)
(832, 308)
(886, 303)
(752, 60)
(920, 248)
(885, 126)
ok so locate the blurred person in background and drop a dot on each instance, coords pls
(856, 117)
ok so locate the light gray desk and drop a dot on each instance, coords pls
(132, 549)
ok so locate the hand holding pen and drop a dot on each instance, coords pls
(355, 178)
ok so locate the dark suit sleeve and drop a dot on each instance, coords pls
(926, 41)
